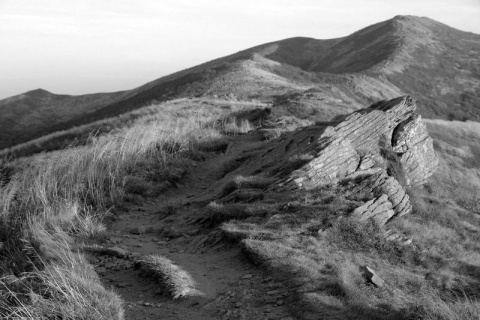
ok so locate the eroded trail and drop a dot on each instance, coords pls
(229, 286)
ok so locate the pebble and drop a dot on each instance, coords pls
(247, 276)
(238, 305)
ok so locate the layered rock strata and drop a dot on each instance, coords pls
(363, 147)
(390, 125)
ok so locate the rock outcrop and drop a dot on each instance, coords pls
(383, 150)
(390, 125)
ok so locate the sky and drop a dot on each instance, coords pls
(89, 46)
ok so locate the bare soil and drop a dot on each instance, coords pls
(229, 286)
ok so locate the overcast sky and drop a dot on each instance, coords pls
(87, 46)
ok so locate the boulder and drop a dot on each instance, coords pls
(372, 276)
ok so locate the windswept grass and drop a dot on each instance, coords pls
(432, 306)
(56, 200)
(58, 284)
(310, 236)
(175, 281)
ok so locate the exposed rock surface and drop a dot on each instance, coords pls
(385, 125)
(389, 189)
(379, 208)
(372, 276)
(411, 139)
(363, 148)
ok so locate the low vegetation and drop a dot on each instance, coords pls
(311, 236)
(56, 201)
(176, 282)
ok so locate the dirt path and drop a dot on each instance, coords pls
(230, 287)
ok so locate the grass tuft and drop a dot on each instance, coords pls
(176, 282)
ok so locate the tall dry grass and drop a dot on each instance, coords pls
(57, 198)
(176, 282)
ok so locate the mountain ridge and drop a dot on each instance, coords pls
(402, 55)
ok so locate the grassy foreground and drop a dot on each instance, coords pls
(431, 271)
(55, 202)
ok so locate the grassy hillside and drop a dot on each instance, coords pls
(419, 56)
(440, 64)
(55, 205)
(38, 112)
(430, 268)
(81, 135)
(436, 63)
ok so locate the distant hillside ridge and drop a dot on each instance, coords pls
(404, 55)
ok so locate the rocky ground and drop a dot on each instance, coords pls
(229, 286)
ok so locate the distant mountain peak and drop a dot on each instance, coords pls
(38, 92)
(405, 54)
(407, 17)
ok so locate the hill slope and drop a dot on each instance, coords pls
(439, 65)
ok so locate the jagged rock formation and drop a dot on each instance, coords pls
(382, 149)
(391, 191)
(385, 125)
